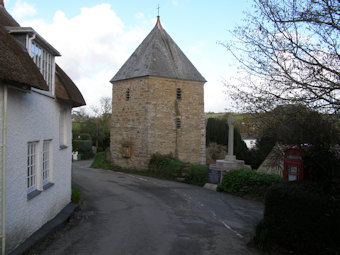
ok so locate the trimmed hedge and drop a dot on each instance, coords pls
(248, 182)
(197, 175)
(84, 147)
(167, 166)
(299, 217)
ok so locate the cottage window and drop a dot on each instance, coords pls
(46, 166)
(179, 93)
(32, 160)
(127, 94)
(44, 60)
(178, 123)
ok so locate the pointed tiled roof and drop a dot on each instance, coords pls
(158, 55)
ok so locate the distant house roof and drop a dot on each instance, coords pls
(66, 90)
(158, 55)
(247, 137)
(16, 66)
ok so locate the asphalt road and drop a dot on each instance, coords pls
(127, 214)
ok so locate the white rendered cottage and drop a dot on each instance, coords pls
(36, 99)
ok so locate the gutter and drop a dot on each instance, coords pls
(3, 169)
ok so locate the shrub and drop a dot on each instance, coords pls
(166, 166)
(158, 161)
(84, 147)
(75, 196)
(248, 182)
(298, 216)
(99, 161)
(197, 175)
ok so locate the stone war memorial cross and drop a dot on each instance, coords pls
(230, 162)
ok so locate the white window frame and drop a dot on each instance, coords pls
(46, 173)
(44, 61)
(32, 166)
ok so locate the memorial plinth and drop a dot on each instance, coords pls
(229, 162)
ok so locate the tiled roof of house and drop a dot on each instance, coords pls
(158, 55)
(16, 66)
(66, 90)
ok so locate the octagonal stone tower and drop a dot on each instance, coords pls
(157, 105)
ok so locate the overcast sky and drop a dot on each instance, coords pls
(95, 37)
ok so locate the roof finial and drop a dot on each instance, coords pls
(158, 23)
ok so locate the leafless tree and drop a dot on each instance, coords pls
(104, 108)
(288, 52)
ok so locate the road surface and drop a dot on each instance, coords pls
(130, 214)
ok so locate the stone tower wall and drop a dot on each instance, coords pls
(129, 125)
(147, 121)
(187, 142)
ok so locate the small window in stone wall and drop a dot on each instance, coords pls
(179, 93)
(127, 94)
(178, 123)
(126, 151)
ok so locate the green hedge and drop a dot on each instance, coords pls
(166, 166)
(197, 175)
(248, 182)
(84, 147)
(299, 216)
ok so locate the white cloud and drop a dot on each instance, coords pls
(140, 15)
(22, 10)
(174, 2)
(93, 45)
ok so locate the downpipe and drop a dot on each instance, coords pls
(3, 169)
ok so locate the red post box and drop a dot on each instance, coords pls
(293, 164)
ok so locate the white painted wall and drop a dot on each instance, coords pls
(251, 143)
(34, 117)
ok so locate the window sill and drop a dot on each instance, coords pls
(62, 147)
(44, 93)
(33, 194)
(48, 185)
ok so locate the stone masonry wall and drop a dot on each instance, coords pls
(129, 126)
(147, 121)
(187, 142)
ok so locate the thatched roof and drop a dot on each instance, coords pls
(66, 90)
(16, 66)
(5, 18)
(158, 55)
(18, 69)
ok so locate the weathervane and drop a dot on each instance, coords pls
(158, 9)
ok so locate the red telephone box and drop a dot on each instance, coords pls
(293, 164)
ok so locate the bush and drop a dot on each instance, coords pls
(75, 196)
(197, 175)
(84, 147)
(158, 161)
(166, 166)
(298, 216)
(248, 182)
